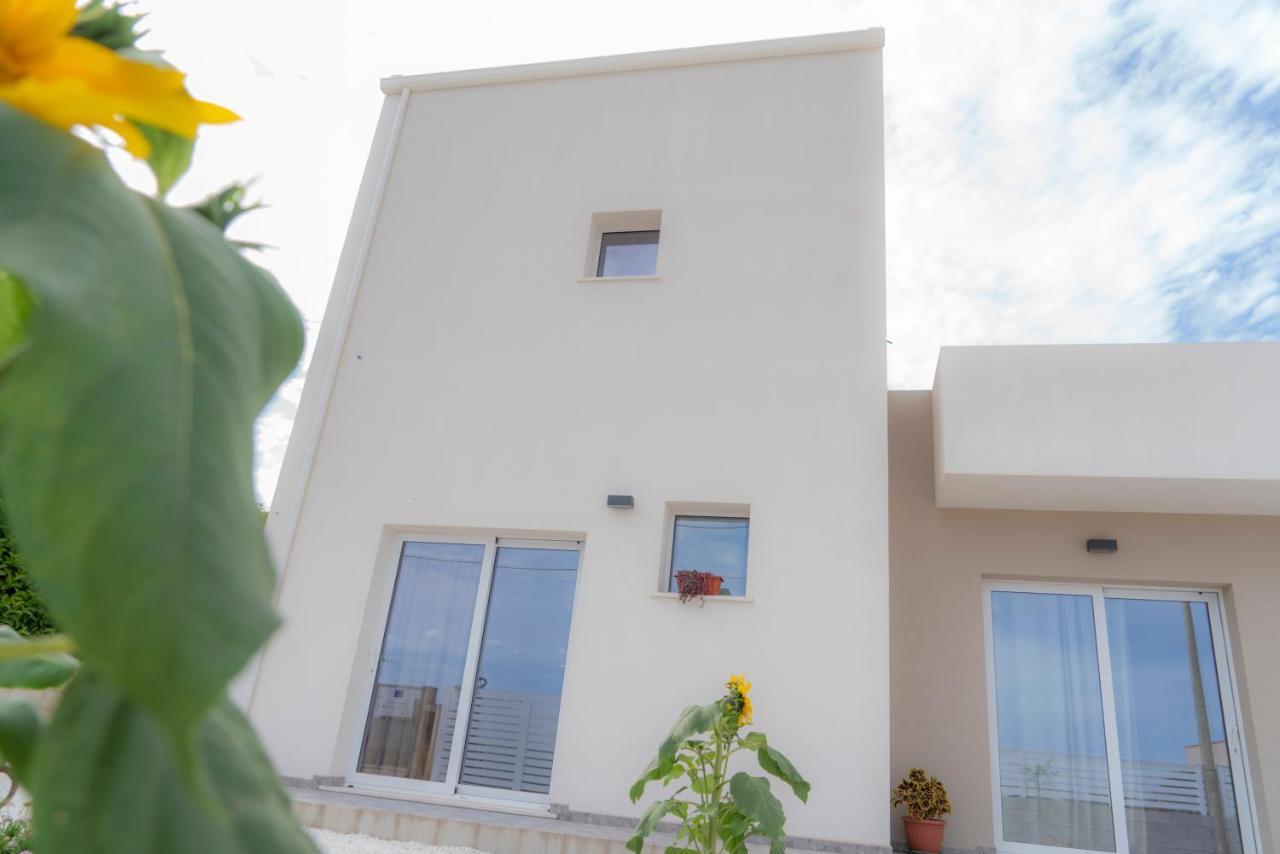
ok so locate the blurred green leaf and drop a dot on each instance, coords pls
(128, 423)
(26, 663)
(104, 778)
(225, 207)
(19, 729)
(108, 25)
(170, 156)
(15, 310)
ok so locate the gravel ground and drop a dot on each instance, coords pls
(355, 843)
(329, 842)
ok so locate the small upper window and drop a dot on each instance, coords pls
(628, 253)
(715, 544)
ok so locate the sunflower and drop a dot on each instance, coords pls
(69, 81)
(739, 690)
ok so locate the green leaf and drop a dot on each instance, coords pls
(733, 828)
(33, 670)
(19, 729)
(128, 423)
(753, 740)
(753, 797)
(170, 156)
(225, 207)
(109, 26)
(649, 821)
(780, 766)
(692, 721)
(15, 309)
(106, 778)
(658, 770)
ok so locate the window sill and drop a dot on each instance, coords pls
(743, 600)
(455, 800)
(591, 280)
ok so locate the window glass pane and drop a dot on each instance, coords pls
(511, 736)
(424, 652)
(711, 544)
(628, 253)
(1178, 792)
(1054, 778)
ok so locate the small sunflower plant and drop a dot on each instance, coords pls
(137, 346)
(718, 809)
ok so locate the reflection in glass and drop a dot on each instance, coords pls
(423, 655)
(711, 544)
(1178, 789)
(1054, 787)
(628, 253)
(511, 733)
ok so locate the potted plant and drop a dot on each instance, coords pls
(695, 584)
(925, 799)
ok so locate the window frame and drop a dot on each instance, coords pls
(675, 514)
(605, 244)
(360, 688)
(613, 222)
(1228, 687)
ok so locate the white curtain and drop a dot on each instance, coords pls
(1054, 786)
(423, 656)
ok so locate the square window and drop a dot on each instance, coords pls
(715, 544)
(628, 253)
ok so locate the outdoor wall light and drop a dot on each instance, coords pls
(1105, 547)
(622, 502)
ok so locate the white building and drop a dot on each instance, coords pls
(658, 281)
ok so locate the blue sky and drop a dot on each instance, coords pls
(1055, 172)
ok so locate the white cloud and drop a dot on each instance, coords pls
(1034, 194)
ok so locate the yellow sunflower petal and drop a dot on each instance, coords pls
(29, 28)
(134, 142)
(67, 103)
(139, 90)
(212, 114)
(61, 103)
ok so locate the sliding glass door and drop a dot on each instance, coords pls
(1174, 752)
(1113, 722)
(466, 691)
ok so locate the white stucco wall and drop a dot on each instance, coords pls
(481, 386)
(1156, 428)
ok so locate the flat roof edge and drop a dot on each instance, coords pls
(706, 55)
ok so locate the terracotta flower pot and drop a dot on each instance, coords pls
(713, 585)
(924, 834)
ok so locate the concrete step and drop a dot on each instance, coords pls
(439, 824)
(491, 831)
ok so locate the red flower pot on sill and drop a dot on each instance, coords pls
(713, 585)
(924, 834)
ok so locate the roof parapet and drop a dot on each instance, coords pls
(869, 39)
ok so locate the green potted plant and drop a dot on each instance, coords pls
(925, 799)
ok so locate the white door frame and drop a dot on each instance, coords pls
(1227, 688)
(451, 785)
